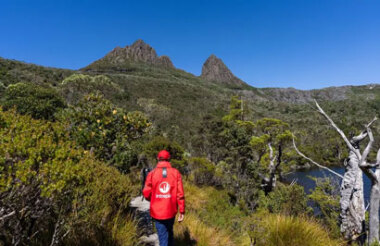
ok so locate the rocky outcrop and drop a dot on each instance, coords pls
(215, 70)
(292, 95)
(138, 52)
(164, 61)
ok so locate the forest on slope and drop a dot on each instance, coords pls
(73, 142)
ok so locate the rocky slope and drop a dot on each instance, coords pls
(215, 70)
(137, 53)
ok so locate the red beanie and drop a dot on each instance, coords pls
(163, 155)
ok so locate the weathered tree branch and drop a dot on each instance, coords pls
(370, 123)
(369, 145)
(356, 151)
(8, 215)
(362, 164)
(360, 137)
(271, 157)
(315, 163)
(369, 165)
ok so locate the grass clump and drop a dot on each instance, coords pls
(192, 231)
(282, 230)
(211, 218)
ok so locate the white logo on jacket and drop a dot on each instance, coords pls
(164, 187)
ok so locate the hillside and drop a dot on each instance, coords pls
(177, 101)
(73, 140)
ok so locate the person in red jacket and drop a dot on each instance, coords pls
(164, 189)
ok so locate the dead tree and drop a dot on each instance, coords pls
(352, 193)
(375, 189)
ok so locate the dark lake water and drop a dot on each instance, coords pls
(302, 178)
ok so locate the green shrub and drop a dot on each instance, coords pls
(202, 171)
(76, 86)
(212, 206)
(286, 199)
(159, 143)
(109, 132)
(326, 197)
(55, 187)
(37, 101)
(2, 88)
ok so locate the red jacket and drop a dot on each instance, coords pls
(164, 193)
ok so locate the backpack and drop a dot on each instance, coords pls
(144, 173)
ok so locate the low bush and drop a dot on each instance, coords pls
(325, 197)
(107, 131)
(76, 86)
(212, 207)
(37, 101)
(176, 151)
(286, 199)
(202, 171)
(55, 192)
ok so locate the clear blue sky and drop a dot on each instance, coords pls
(285, 43)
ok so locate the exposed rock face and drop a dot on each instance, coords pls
(215, 70)
(138, 52)
(292, 95)
(164, 61)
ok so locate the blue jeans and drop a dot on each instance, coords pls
(165, 231)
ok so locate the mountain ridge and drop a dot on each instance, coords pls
(68, 70)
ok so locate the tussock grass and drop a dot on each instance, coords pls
(210, 219)
(196, 198)
(124, 231)
(281, 230)
(192, 231)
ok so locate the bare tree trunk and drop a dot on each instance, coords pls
(352, 208)
(375, 189)
(374, 210)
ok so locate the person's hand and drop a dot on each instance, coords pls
(181, 217)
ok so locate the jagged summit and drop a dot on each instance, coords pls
(138, 52)
(214, 69)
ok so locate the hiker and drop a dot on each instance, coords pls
(164, 189)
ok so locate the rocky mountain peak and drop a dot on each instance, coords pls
(164, 61)
(138, 52)
(215, 70)
(139, 43)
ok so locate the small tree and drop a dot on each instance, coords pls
(272, 132)
(325, 198)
